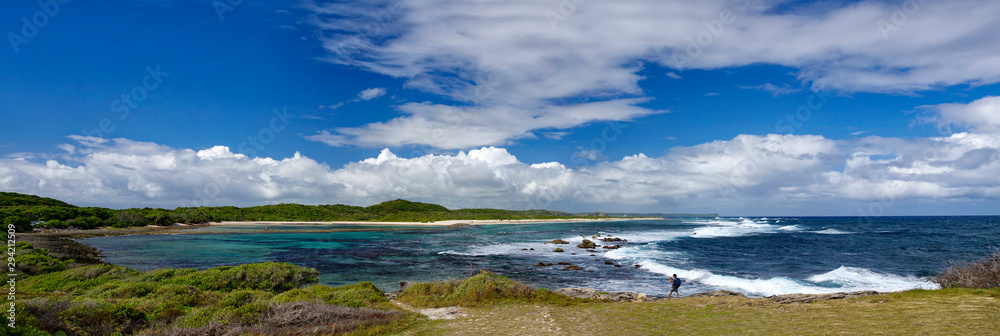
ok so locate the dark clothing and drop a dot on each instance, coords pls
(677, 282)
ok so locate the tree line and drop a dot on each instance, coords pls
(27, 212)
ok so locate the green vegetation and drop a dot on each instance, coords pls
(53, 214)
(483, 289)
(264, 298)
(15, 199)
(32, 261)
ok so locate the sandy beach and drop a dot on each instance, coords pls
(442, 223)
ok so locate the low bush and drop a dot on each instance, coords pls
(983, 274)
(362, 294)
(482, 289)
(76, 280)
(32, 261)
(269, 276)
(103, 318)
(297, 318)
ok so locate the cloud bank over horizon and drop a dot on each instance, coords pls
(784, 171)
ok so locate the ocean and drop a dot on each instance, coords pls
(755, 256)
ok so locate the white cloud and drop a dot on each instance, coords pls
(745, 174)
(982, 115)
(775, 90)
(523, 55)
(372, 93)
(450, 127)
(674, 75)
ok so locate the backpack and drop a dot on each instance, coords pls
(677, 281)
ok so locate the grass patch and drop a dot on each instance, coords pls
(957, 311)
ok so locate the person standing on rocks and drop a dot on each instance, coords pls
(675, 284)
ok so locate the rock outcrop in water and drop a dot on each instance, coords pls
(558, 241)
(558, 250)
(586, 244)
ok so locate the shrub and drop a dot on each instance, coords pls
(44, 313)
(362, 294)
(243, 297)
(484, 288)
(54, 224)
(20, 224)
(269, 276)
(34, 261)
(298, 318)
(124, 289)
(103, 318)
(76, 279)
(977, 274)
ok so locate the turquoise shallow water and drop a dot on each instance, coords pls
(757, 256)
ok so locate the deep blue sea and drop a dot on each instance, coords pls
(756, 256)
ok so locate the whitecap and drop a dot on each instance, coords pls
(833, 232)
(843, 279)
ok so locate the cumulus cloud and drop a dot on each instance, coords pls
(372, 93)
(532, 56)
(981, 115)
(747, 173)
(460, 127)
(775, 90)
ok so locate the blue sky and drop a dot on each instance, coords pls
(738, 107)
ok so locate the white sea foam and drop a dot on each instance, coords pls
(865, 279)
(843, 279)
(732, 228)
(833, 232)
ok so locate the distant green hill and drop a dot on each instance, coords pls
(15, 199)
(24, 209)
